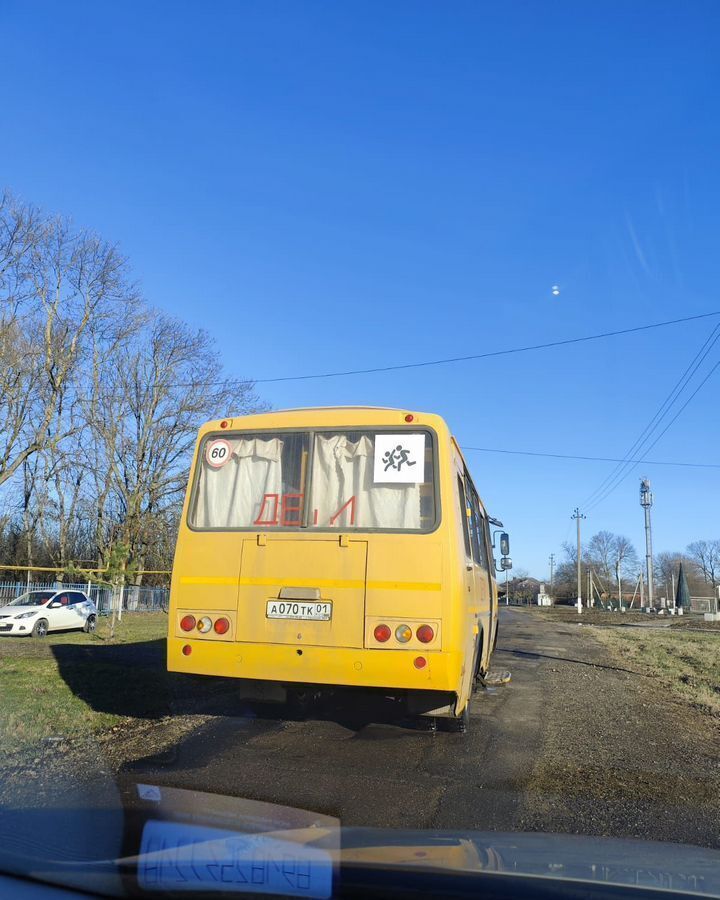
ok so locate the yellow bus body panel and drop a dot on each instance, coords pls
(369, 577)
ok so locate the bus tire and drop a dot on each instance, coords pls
(477, 663)
(461, 724)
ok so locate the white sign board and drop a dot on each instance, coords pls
(399, 459)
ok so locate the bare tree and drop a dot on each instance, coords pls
(705, 556)
(667, 566)
(612, 557)
(166, 385)
(100, 400)
(55, 284)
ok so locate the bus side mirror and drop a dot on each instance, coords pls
(505, 544)
(505, 563)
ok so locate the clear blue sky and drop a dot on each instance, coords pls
(338, 185)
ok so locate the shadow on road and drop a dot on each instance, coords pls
(131, 680)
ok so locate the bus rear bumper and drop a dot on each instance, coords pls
(283, 663)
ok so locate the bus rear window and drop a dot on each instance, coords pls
(328, 480)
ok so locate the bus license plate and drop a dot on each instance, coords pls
(299, 609)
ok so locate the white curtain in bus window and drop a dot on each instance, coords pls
(232, 495)
(344, 494)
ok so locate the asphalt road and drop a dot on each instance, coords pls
(575, 743)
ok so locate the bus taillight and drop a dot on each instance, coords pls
(204, 625)
(382, 633)
(425, 634)
(221, 626)
(187, 623)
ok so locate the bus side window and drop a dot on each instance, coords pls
(488, 544)
(478, 539)
(464, 516)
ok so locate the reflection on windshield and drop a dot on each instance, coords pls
(32, 598)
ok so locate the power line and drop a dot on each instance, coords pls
(606, 486)
(647, 462)
(669, 424)
(230, 380)
(493, 353)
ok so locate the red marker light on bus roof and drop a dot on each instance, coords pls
(224, 423)
(409, 417)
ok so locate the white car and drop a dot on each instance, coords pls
(37, 612)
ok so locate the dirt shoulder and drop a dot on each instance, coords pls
(623, 752)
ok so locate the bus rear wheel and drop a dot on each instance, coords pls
(478, 673)
(461, 724)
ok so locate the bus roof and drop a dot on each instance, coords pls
(293, 411)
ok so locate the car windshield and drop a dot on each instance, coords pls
(32, 598)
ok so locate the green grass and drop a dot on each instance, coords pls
(688, 663)
(61, 686)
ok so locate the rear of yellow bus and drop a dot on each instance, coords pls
(320, 547)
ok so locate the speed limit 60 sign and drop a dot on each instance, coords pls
(217, 453)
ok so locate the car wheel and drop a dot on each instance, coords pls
(40, 628)
(90, 624)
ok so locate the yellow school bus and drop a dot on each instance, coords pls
(335, 547)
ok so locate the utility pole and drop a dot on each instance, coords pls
(577, 515)
(552, 567)
(646, 501)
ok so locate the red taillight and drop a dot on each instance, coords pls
(187, 650)
(425, 634)
(221, 626)
(382, 633)
(187, 623)
(419, 662)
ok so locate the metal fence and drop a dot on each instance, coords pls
(704, 604)
(134, 598)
